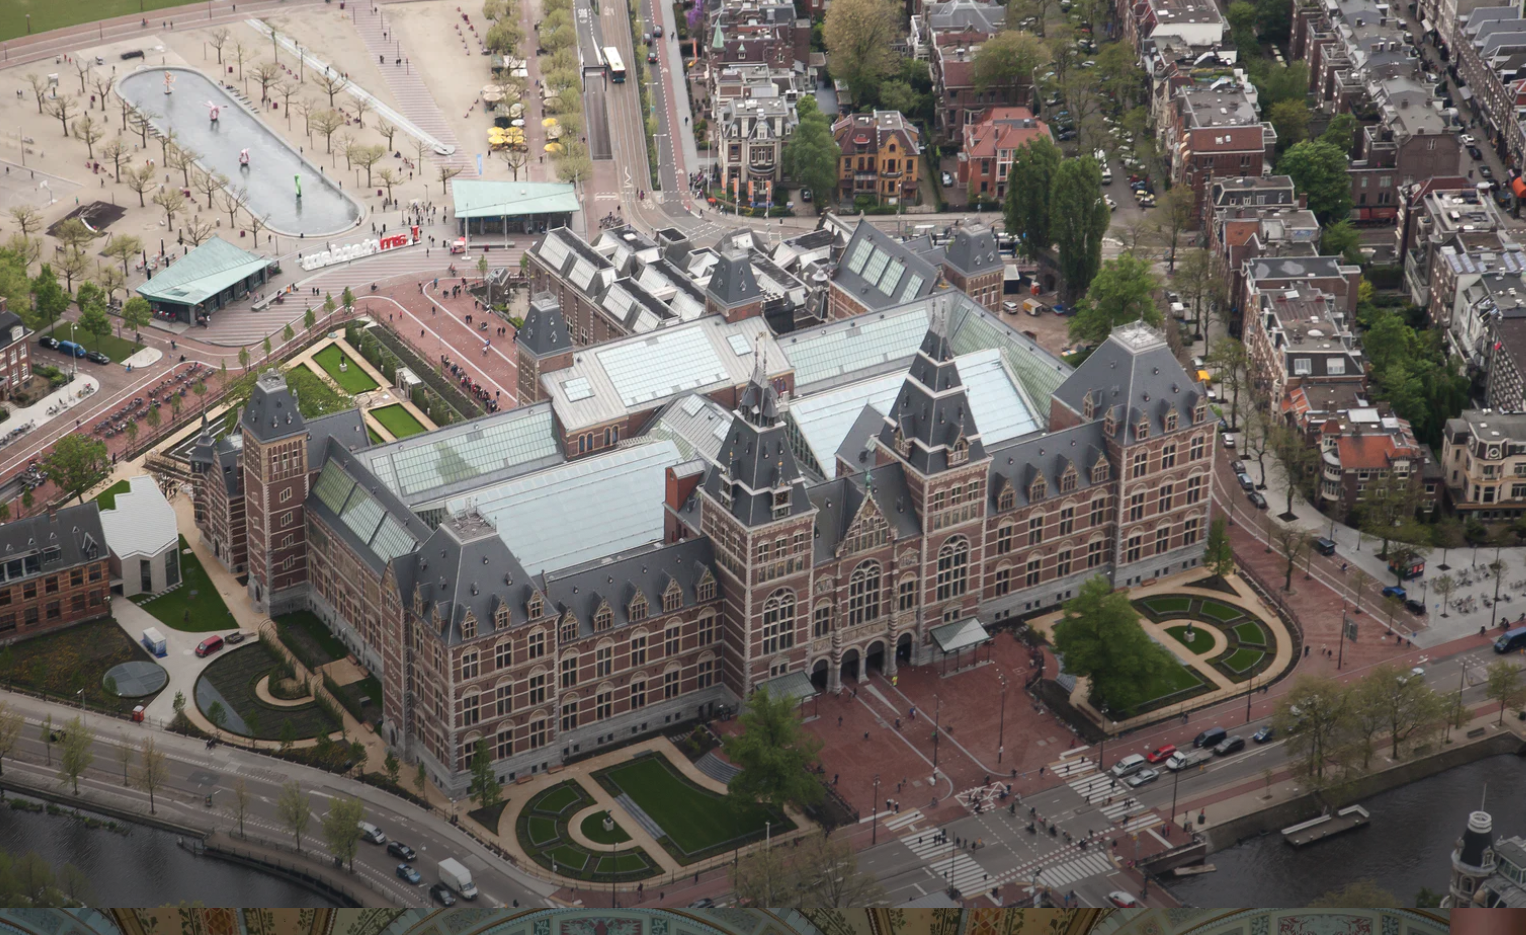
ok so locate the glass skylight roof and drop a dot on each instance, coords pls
(577, 388)
(662, 365)
(913, 283)
(876, 266)
(739, 344)
(416, 469)
(860, 255)
(693, 405)
(836, 350)
(333, 486)
(893, 271)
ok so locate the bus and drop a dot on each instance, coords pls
(616, 65)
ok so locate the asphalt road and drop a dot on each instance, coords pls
(196, 772)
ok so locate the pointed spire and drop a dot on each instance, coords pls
(759, 404)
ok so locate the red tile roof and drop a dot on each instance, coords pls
(1370, 452)
(998, 129)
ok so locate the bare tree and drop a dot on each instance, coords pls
(123, 247)
(102, 86)
(240, 52)
(124, 750)
(172, 201)
(307, 107)
(388, 131)
(515, 158)
(241, 802)
(109, 278)
(114, 152)
(153, 772)
(287, 91)
(332, 83)
(266, 75)
(27, 218)
(142, 121)
(346, 144)
(39, 88)
(208, 184)
(326, 122)
(84, 67)
(73, 262)
(198, 230)
(166, 140)
(234, 200)
(257, 224)
(388, 177)
(360, 106)
(446, 174)
(219, 39)
(64, 107)
(366, 157)
(183, 158)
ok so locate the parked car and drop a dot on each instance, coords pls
(947, 179)
(1415, 607)
(1324, 546)
(1161, 753)
(705, 903)
(442, 894)
(1264, 734)
(1112, 205)
(805, 194)
(1475, 152)
(237, 636)
(1209, 737)
(657, 30)
(1238, 466)
(1258, 501)
(1485, 172)
(1467, 138)
(408, 873)
(1229, 745)
(1065, 135)
(651, 57)
(1229, 439)
(97, 357)
(48, 341)
(1246, 484)
(1123, 900)
(209, 646)
(1143, 778)
(399, 849)
(1394, 590)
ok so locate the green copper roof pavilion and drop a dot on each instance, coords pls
(212, 274)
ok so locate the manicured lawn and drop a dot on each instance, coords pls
(1168, 605)
(399, 421)
(622, 863)
(1200, 642)
(694, 819)
(375, 438)
(234, 675)
(118, 349)
(1177, 678)
(1243, 660)
(52, 15)
(542, 829)
(64, 661)
(1250, 634)
(593, 830)
(557, 800)
(194, 606)
(1221, 612)
(108, 497)
(568, 858)
(352, 379)
(310, 641)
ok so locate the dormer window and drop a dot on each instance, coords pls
(501, 617)
(781, 503)
(1037, 490)
(902, 444)
(536, 606)
(723, 489)
(1171, 420)
(468, 627)
(705, 591)
(1200, 412)
(672, 598)
(1068, 479)
(1109, 424)
(1100, 471)
(959, 453)
(603, 618)
(568, 632)
(1088, 407)
(1142, 429)
(637, 607)
(1007, 500)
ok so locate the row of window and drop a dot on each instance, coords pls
(669, 643)
(52, 610)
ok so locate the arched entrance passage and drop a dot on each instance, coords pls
(874, 659)
(849, 668)
(819, 673)
(903, 650)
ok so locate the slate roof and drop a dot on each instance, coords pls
(9, 322)
(839, 501)
(880, 272)
(1018, 463)
(345, 427)
(1318, 267)
(463, 568)
(854, 449)
(971, 249)
(732, 282)
(142, 522)
(271, 412)
(203, 273)
(1134, 373)
(932, 411)
(545, 331)
(69, 537)
(755, 460)
(616, 581)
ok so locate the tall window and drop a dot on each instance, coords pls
(1194, 489)
(1136, 507)
(670, 683)
(821, 619)
(864, 594)
(1094, 553)
(505, 745)
(704, 673)
(1133, 550)
(638, 694)
(638, 650)
(568, 631)
(570, 671)
(1099, 510)
(537, 734)
(1004, 538)
(603, 661)
(1067, 520)
(470, 709)
(503, 655)
(1168, 454)
(570, 715)
(1162, 540)
(671, 640)
(1035, 569)
(468, 666)
(709, 626)
(1141, 463)
(505, 699)
(1197, 448)
(1036, 529)
(1003, 580)
(953, 568)
(537, 645)
(604, 705)
(906, 594)
(1164, 503)
(538, 689)
(1062, 564)
(779, 621)
(1190, 530)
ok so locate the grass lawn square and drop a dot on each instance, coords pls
(1168, 605)
(375, 438)
(694, 819)
(107, 499)
(542, 830)
(194, 606)
(47, 15)
(1221, 612)
(64, 661)
(558, 800)
(568, 858)
(369, 688)
(352, 379)
(1201, 640)
(1174, 679)
(112, 346)
(399, 421)
(1250, 633)
(628, 862)
(1243, 660)
(593, 830)
(234, 675)
(310, 641)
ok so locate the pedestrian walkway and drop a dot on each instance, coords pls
(1115, 800)
(949, 862)
(1070, 872)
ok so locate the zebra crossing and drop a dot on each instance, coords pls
(1115, 800)
(948, 862)
(897, 822)
(1076, 767)
(1069, 872)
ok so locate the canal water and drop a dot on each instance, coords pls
(1407, 846)
(146, 867)
(273, 163)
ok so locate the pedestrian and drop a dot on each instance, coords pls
(866, 735)
(839, 720)
(834, 779)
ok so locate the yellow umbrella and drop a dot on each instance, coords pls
(548, 122)
(553, 147)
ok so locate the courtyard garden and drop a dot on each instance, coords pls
(690, 821)
(61, 663)
(107, 499)
(229, 683)
(118, 349)
(352, 379)
(1248, 646)
(1195, 638)
(542, 829)
(194, 605)
(309, 639)
(399, 421)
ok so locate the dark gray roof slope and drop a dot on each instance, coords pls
(1134, 374)
(545, 331)
(616, 582)
(972, 250)
(880, 272)
(1312, 267)
(932, 411)
(1018, 463)
(463, 568)
(345, 427)
(732, 282)
(839, 501)
(369, 517)
(854, 449)
(271, 412)
(69, 537)
(755, 461)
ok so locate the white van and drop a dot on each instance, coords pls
(371, 833)
(1128, 766)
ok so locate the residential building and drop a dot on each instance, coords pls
(1241, 233)
(879, 157)
(15, 351)
(1297, 336)
(985, 161)
(56, 571)
(1365, 446)
(1488, 870)
(1328, 274)
(1505, 357)
(1195, 22)
(1410, 143)
(1467, 258)
(752, 133)
(1490, 49)
(752, 79)
(960, 101)
(1481, 299)
(1214, 132)
(143, 538)
(1419, 205)
(970, 19)
(746, 31)
(1173, 64)
(1349, 44)
(1483, 452)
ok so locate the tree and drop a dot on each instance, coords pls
(233, 200)
(1319, 170)
(142, 121)
(1172, 215)
(309, 319)
(393, 767)
(218, 715)
(77, 752)
(257, 224)
(243, 358)
(331, 83)
(340, 829)
(1029, 186)
(811, 158)
(389, 177)
(861, 36)
(295, 809)
(77, 463)
(1412, 709)
(240, 53)
(420, 780)
(773, 754)
(1340, 132)
(365, 157)
(1008, 58)
(1361, 894)
(388, 132)
(93, 319)
(171, 201)
(1100, 639)
(1219, 556)
(125, 755)
(49, 299)
(11, 723)
(140, 180)
(823, 873)
(28, 219)
(184, 159)
(89, 132)
(485, 790)
(153, 770)
(63, 107)
(209, 184)
(39, 88)
(113, 152)
(1078, 218)
(326, 122)
(199, 230)
(1388, 503)
(217, 40)
(1503, 685)
(1291, 541)
(137, 313)
(1123, 291)
(1297, 462)
(267, 74)
(72, 262)
(1344, 240)
(449, 172)
(46, 734)
(1314, 735)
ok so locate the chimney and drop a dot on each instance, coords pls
(52, 510)
(1303, 199)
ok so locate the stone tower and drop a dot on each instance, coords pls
(275, 490)
(1472, 861)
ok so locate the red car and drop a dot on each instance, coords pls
(209, 646)
(1161, 754)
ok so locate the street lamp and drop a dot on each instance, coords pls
(875, 824)
(1001, 730)
(937, 720)
(1176, 781)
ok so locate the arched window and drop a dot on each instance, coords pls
(953, 568)
(864, 594)
(779, 621)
